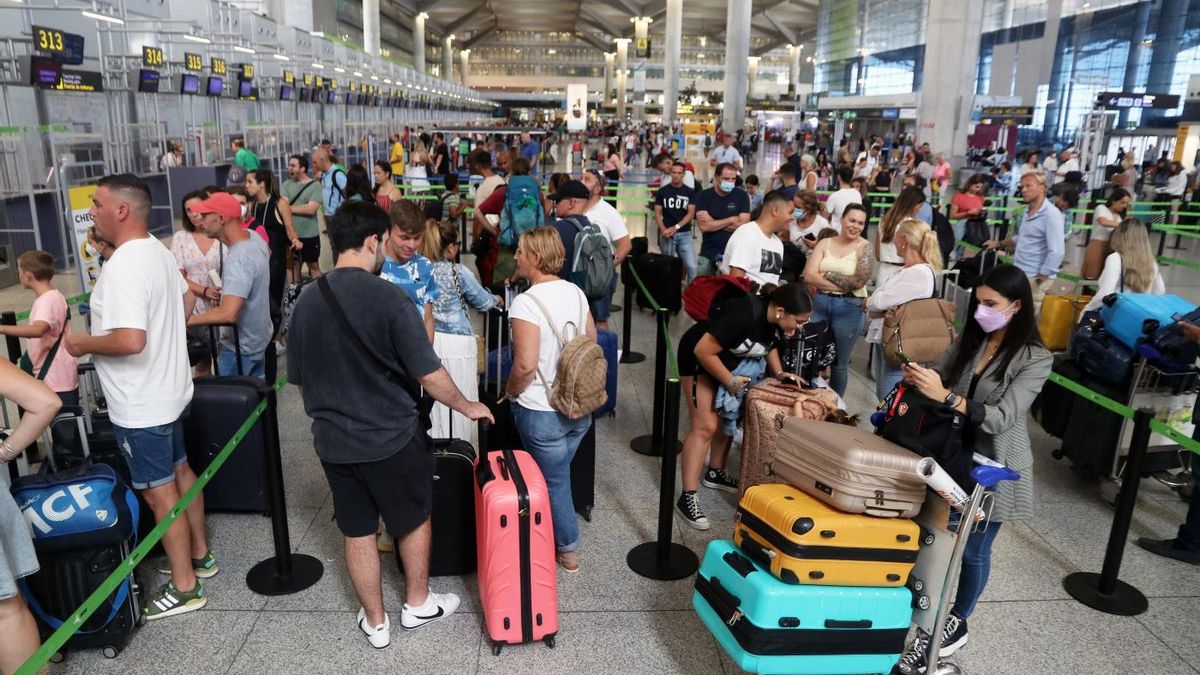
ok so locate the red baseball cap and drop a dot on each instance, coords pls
(221, 203)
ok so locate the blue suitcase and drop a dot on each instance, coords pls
(768, 626)
(608, 342)
(1134, 317)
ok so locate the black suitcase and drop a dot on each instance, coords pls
(219, 406)
(663, 278)
(65, 581)
(452, 552)
(1052, 407)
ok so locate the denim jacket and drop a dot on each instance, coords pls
(450, 307)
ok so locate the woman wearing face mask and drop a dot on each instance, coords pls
(991, 374)
(808, 219)
(839, 269)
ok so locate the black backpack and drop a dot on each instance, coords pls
(435, 207)
(928, 428)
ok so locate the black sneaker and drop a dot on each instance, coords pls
(954, 636)
(718, 480)
(1169, 548)
(912, 662)
(688, 506)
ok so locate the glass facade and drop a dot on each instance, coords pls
(866, 47)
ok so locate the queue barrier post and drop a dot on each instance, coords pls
(651, 444)
(13, 344)
(627, 353)
(663, 559)
(1105, 591)
(285, 572)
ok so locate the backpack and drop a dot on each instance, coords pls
(435, 207)
(922, 329)
(911, 420)
(709, 290)
(581, 377)
(592, 268)
(522, 209)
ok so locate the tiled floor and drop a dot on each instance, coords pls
(614, 621)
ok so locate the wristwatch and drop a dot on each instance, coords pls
(952, 400)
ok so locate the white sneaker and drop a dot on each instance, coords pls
(437, 606)
(379, 636)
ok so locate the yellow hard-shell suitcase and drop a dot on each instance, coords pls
(803, 541)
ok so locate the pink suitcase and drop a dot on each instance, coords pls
(518, 583)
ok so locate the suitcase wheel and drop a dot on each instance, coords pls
(58, 657)
(916, 584)
(110, 652)
(922, 602)
(550, 641)
(496, 647)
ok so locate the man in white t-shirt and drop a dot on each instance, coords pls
(1068, 164)
(845, 195)
(726, 154)
(606, 217)
(140, 351)
(755, 249)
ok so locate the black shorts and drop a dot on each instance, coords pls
(311, 252)
(399, 489)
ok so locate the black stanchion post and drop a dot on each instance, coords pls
(651, 443)
(1105, 591)
(1162, 241)
(1178, 240)
(13, 344)
(663, 559)
(286, 572)
(627, 353)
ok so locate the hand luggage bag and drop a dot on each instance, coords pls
(801, 540)
(1101, 357)
(1132, 317)
(1052, 407)
(607, 340)
(518, 583)
(849, 469)
(1060, 315)
(767, 626)
(219, 406)
(583, 474)
(768, 404)
(452, 521)
(663, 278)
(84, 522)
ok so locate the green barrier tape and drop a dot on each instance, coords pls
(1185, 442)
(74, 300)
(672, 363)
(1065, 276)
(1177, 231)
(81, 614)
(1098, 399)
(1191, 264)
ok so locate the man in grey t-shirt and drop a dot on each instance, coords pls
(245, 283)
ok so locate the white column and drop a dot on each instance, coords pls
(609, 60)
(794, 52)
(464, 63)
(419, 42)
(737, 53)
(671, 49)
(448, 58)
(751, 75)
(641, 31)
(947, 94)
(622, 77)
(370, 9)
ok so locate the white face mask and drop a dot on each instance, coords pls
(245, 210)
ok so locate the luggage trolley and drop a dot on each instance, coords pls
(1172, 397)
(942, 553)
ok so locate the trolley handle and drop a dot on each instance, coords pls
(989, 476)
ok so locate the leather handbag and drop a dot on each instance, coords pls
(922, 330)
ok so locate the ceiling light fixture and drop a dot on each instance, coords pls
(358, 73)
(197, 38)
(338, 69)
(244, 50)
(280, 57)
(102, 17)
(318, 65)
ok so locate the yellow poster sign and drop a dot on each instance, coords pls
(89, 262)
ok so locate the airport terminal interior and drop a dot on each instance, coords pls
(1084, 111)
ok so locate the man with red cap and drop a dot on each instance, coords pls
(245, 283)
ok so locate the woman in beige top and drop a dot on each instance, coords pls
(838, 270)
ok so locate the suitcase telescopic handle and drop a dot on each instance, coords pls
(483, 469)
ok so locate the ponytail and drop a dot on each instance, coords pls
(917, 233)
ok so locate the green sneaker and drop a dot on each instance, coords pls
(203, 568)
(169, 601)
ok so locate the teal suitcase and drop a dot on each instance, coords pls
(768, 626)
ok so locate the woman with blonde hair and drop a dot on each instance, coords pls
(917, 246)
(906, 206)
(416, 178)
(550, 308)
(1130, 268)
(454, 338)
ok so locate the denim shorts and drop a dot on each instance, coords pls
(152, 453)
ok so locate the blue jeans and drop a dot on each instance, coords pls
(681, 245)
(886, 374)
(552, 439)
(844, 314)
(152, 453)
(253, 365)
(976, 566)
(602, 307)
